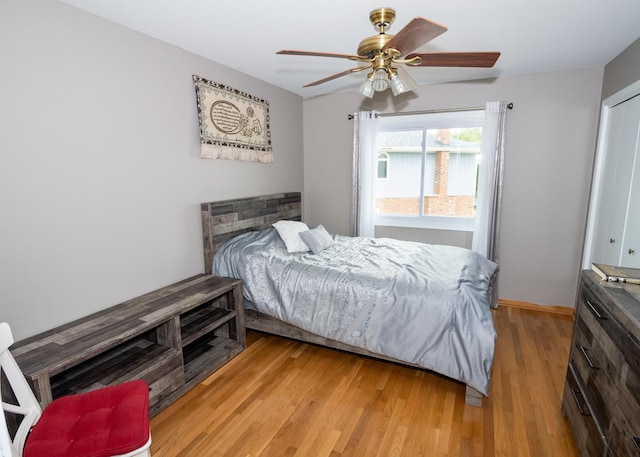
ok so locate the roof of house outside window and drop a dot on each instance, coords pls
(411, 141)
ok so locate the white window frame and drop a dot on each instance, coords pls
(385, 159)
(440, 120)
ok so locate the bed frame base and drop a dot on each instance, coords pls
(263, 323)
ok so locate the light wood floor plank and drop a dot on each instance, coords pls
(285, 398)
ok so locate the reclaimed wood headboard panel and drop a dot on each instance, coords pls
(226, 219)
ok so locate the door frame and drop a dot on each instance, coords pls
(599, 162)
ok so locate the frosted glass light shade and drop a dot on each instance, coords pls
(380, 80)
(402, 84)
(366, 88)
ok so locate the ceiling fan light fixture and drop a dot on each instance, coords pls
(400, 85)
(380, 81)
(366, 88)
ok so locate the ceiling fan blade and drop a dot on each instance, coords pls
(456, 59)
(417, 32)
(337, 75)
(291, 52)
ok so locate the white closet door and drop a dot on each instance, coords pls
(612, 204)
(630, 248)
(613, 227)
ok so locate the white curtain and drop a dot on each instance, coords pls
(363, 172)
(487, 222)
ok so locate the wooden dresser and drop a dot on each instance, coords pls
(173, 338)
(602, 392)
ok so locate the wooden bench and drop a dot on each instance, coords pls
(173, 338)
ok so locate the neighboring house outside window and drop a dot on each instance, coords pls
(383, 165)
(431, 170)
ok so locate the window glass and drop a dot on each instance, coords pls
(399, 193)
(430, 170)
(383, 165)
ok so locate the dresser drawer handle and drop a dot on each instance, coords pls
(595, 311)
(575, 393)
(585, 353)
(636, 441)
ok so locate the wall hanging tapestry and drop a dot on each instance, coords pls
(233, 124)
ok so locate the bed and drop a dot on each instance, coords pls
(350, 297)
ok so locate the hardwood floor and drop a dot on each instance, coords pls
(283, 398)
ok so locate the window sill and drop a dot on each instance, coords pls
(462, 224)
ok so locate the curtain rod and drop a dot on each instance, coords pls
(432, 111)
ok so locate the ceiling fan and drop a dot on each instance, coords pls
(382, 53)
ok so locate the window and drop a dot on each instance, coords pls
(383, 165)
(428, 169)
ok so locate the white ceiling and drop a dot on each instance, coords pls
(532, 35)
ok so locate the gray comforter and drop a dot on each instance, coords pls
(418, 303)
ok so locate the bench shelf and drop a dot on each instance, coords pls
(172, 338)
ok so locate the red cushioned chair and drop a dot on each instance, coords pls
(108, 422)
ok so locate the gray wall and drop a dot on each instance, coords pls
(550, 145)
(622, 71)
(100, 174)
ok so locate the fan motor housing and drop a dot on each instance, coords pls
(373, 45)
(381, 18)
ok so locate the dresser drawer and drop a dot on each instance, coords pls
(597, 355)
(586, 432)
(625, 429)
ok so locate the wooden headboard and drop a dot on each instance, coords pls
(226, 219)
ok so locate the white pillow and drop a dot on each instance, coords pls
(317, 239)
(288, 231)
